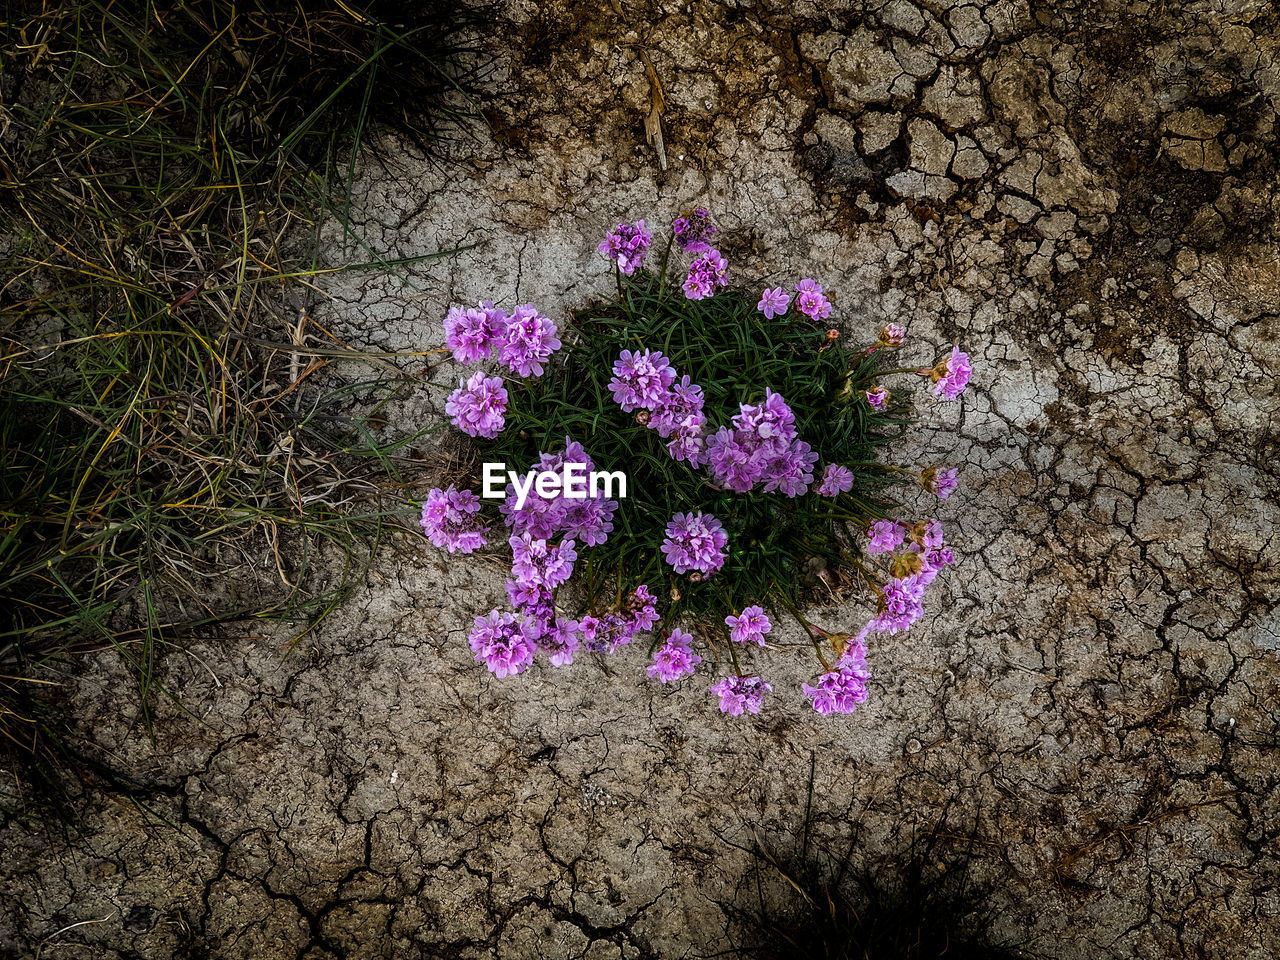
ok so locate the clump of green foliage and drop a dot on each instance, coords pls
(777, 545)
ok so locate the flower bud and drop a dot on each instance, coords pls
(892, 335)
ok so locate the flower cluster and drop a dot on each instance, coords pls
(749, 627)
(626, 245)
(640, 380)
(739, 693)
(449, 518)
(761, 446)
(504, 644)
(892, 336)
(540, 566)
(587, 519)
(478, 406)
(530, 341)
(901, 600)
(678, 419)
(561, 641)
(693, 232)
(675, 658)
(705, 274)
(606, 634)
(901, 603)
(884, 536)
(646, 381)
(473, 333)
(522, 341)
(696, 542)
(842, 689)
(811, 301)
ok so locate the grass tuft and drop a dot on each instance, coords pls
(178, 431)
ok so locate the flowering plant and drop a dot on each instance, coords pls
(748, 434)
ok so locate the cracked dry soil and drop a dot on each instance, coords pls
(1084, 195)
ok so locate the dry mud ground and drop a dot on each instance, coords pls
(1085, 196)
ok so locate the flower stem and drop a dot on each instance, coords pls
(808, 627)
(921, 371)
(622, 295)
(733, 655)
(662, 276)
(881, 466)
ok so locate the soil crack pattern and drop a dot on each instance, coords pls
(1083, 195)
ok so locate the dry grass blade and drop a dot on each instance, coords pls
(170, 412)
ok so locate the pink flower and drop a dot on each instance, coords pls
(740, 693)
(750, 627)
(641, 380)
(534, 563)
(773, 303)
(695, 542)
(934, 553)
(901, 604)
(892, 335)
(842, 689)
(626, 245)
(674, 659)
(478, 407)
(642, 607)
(560, 641)
(792, 472)
(705, 274)
(693, 232)
(940, 481)
(472, 332)
(835, 480)
(673, 410)
(529, 341)
(878, 397)
(884, 536)
(810, 300)
(769, 426)
(688, 443)
(449, 520)
(951, 375)
(502, 643)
